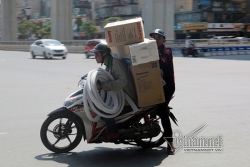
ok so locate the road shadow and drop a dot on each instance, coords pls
(89, 58)
(108, 157)
(42, 58)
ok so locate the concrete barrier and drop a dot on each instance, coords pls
(14, 47)
(203, 51)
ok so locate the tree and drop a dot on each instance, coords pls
(89, 28)
(25, 28)
(36, 28)
(45, 30)
(112, 19)
(78, 22)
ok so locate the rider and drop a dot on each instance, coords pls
(167, 67)
(189, 43)
(122, 80)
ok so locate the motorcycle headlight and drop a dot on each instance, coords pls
(68, 103)
(81, 83)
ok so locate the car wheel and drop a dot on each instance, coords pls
(63, 57)
(44, 55)
(87, 55)
(33, 55)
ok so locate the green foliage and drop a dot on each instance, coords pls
(27, 28)
(45, 29)
(78, 22)
(36, 28)
(112, 19)
(89, 28)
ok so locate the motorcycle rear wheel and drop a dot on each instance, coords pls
(151, 142)
(195, 53)
(53, 137)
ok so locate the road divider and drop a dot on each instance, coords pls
(203, 51)
(218, 51)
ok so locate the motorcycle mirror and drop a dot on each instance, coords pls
(85, 76)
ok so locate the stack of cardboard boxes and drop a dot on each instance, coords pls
(127, 42)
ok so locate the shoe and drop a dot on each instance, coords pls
(170, 150)
(110, 137)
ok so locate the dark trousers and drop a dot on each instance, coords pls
(111, 125)
(164, 112)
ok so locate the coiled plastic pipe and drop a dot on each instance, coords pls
(95, 101)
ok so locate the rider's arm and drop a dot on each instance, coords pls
(119, 73)
(186, 42)
(166, 56)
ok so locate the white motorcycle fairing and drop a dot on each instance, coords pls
(74, 103)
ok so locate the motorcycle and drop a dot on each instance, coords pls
(190, 51)
(65, 127)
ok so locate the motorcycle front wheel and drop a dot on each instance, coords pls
(184, 53)
(154, 141)
(59, 134)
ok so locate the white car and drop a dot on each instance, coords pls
(221, 39)
(48, 48)
(243, 39)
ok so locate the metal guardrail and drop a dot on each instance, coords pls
(177, 43)
(209, 42)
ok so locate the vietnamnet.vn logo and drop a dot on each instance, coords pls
(192, 143)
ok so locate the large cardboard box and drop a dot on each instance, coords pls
(148, 83)
(137, 53)
(124, 32)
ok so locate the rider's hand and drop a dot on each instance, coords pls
(98, 87)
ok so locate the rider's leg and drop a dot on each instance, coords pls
(165, 121)
(111, 125)
(113, 132)
(164, 115)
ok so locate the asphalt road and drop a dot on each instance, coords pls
(212, 90)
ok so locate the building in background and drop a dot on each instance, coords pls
(125, 9)
(204, 18)
(159, 15)
(81, 9)
(198, 18)
(28, 9)
(0, 20)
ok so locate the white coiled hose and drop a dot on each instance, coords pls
(94, 101)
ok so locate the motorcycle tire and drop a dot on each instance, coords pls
(55, 133)
(150, 144)
(195, 53)
(185, 53)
